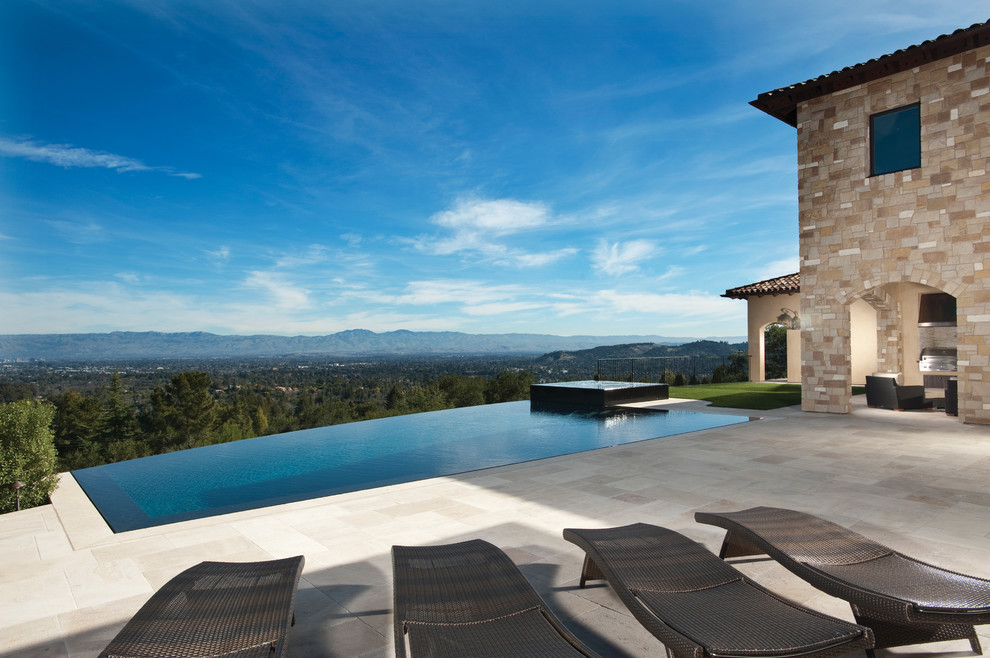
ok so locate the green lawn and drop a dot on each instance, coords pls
(745, 395)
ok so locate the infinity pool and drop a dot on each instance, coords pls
(282, 468)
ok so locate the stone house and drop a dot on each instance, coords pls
(776, 301)
(894, 201)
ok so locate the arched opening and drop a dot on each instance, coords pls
(907, 329)
(775, 351)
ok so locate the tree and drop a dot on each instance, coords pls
(27, 454)
(183, 412)
(508, 387)
(119, 421)
(77, 427)
(775, 350)
(463, 391)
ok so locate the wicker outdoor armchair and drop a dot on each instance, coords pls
(702, 607)
(905, 601)
(470, 600)
(229, 609)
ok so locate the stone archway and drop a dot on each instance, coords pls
(883, 333)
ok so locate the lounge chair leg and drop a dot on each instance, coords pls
(725, 544)
(974, 642)
(590, 571)
(870, 653)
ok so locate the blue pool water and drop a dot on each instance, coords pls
(282, 468)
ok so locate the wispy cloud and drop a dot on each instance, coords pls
(618, 258)
(221, 254)
(79, 232)
(446, 291)
(778, 268)
(538, 259)
(315, 253)
(496, 217)
(482, 227)
(282, 292)
(69, 156)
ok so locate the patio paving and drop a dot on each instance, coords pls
(917, 481)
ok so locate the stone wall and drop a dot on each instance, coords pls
(859, 233)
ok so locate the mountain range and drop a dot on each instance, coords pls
(356, 342)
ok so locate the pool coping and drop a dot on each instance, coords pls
(85, 526)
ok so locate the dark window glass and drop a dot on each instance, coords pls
(895, 140)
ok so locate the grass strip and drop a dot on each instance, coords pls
(746, 395)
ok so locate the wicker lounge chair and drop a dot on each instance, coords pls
(702, 607)
(903, 600)
(215, 609)
(469, 599)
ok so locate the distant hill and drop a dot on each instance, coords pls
(585, 360)
(358, 342)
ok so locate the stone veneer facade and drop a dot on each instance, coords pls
(862, 236)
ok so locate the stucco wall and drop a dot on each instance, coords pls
(863, 341)
(927, 226)
(761, 311)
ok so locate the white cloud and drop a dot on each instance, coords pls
(315, 253)
(79, 232)
(621, 258)
(68, 156)
(480, 227)
(282, 293)
(538, 259)
(777, 268)
(666, 306)
(222, 253)
(501, 308)
(672, 272)
(449, 291)
(498, 217)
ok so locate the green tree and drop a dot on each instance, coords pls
(183, 412)
(77, 426)
(463, 391)
(10, 392)
(426, 398)
(775, 350)
(119, 420)
(509, 386)
(395, 401)
(259, 421)
(27, 454)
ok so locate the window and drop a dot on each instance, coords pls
(895, 140)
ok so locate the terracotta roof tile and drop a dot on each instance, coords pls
(782, 103)
(782, 285)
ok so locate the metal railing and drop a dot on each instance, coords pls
(665, 369)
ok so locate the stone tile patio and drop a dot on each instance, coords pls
(919, 482)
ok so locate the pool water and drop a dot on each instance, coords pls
(282, 468)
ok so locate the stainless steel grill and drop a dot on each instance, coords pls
(937, 359)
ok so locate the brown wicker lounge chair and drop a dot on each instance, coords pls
(215, 609)
(702, 607)
(469, 599)
(905, 601)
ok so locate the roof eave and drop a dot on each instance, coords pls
(783, 103)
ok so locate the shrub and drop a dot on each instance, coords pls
(27, 453)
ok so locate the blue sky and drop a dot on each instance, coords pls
(309, 167)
